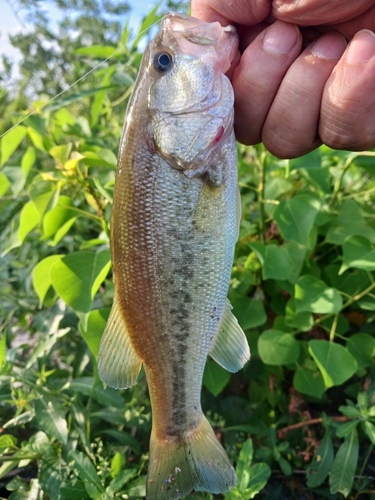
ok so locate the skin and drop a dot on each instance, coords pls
(305, 72)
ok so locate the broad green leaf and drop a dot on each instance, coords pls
(44, 346)
(362, 347)
(277, 348)
(358, 252)
(334, 361)
(6, 467)
(37, 139)
(137, 488)
(86, 469)
(117, 464)
(215, 378)
(42, 194)
(58, 216)
(53, 472)
(4, 184)
(250, 313)
(312, 294)
(16, 178)
(28, 160)
(93, 332)
(297, 253)
(346, 428)
(77, 277)
(7, 441)
(10, 142)
(42, 276)
(120, 480)
(22, 224)
(61, 153)
(344, 466)
(109, 157)
(94, 492)
(51, 418)
(276, 261)
(321, 464)
(309, 382)
(350, 222)
(295, 218)
(74, 489)
(302, 320)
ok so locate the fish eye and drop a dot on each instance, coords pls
(163, 61)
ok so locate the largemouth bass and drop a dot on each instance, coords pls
(174, 227)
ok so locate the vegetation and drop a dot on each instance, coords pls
(303, 288)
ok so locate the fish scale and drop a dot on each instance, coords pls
(173, 230)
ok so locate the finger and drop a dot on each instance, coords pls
(351, 27)
(244, 12)
(258, 75)
(348, 104)
(310, 12)
(291, 127)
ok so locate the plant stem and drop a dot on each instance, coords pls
(339, 180)
(333, 328)
(261, 188)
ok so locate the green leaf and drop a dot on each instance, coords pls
(312, 294)
(276, 261)
(99, 97)
(77, 277)
(243, 464)
(277, 348)
(321, 464)
(295, 218)
(97, 51)
(346, 428)
(3, 350)
(10, 142)
(42, 194)
(93, 332)
(51, 418)
(41, 276)
(120, 480)
(16, 178)
(58, 216)
(22, 224)
(148, 21)
(53, 472)
(309, 382)
(215, 378)
(7, 441)
(344, 466)
(74, 489)
(250, 313)
(358, 252)
(4, 184)
(350, 222)
(117, 464)
(85, 468)
(259, 475)
(302, 320)
(369, 429)
(334, 361)
(124, 438)
(362, 348)
(28, 160)
(39, 443)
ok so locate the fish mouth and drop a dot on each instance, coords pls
(223, 39)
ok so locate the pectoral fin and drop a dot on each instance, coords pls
(230, 348)
(118, 364)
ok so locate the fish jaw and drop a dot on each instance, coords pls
(191, 105)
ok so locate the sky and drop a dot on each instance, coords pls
(9, 24)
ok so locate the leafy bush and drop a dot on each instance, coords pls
(302, 288)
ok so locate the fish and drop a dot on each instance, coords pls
(174, 225)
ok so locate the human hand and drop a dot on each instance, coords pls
(294, 100)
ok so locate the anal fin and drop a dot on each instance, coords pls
(118, 364)
(230, 348)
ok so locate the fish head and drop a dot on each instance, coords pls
(190, 100)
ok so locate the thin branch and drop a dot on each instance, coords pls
(314, 421)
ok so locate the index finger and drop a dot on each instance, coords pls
(243, 12)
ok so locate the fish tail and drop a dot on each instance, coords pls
(197, 462)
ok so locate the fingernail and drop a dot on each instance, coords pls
(280, 37)
(329, 46)
(361, 48)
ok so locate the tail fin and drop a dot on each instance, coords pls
(198, 462)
